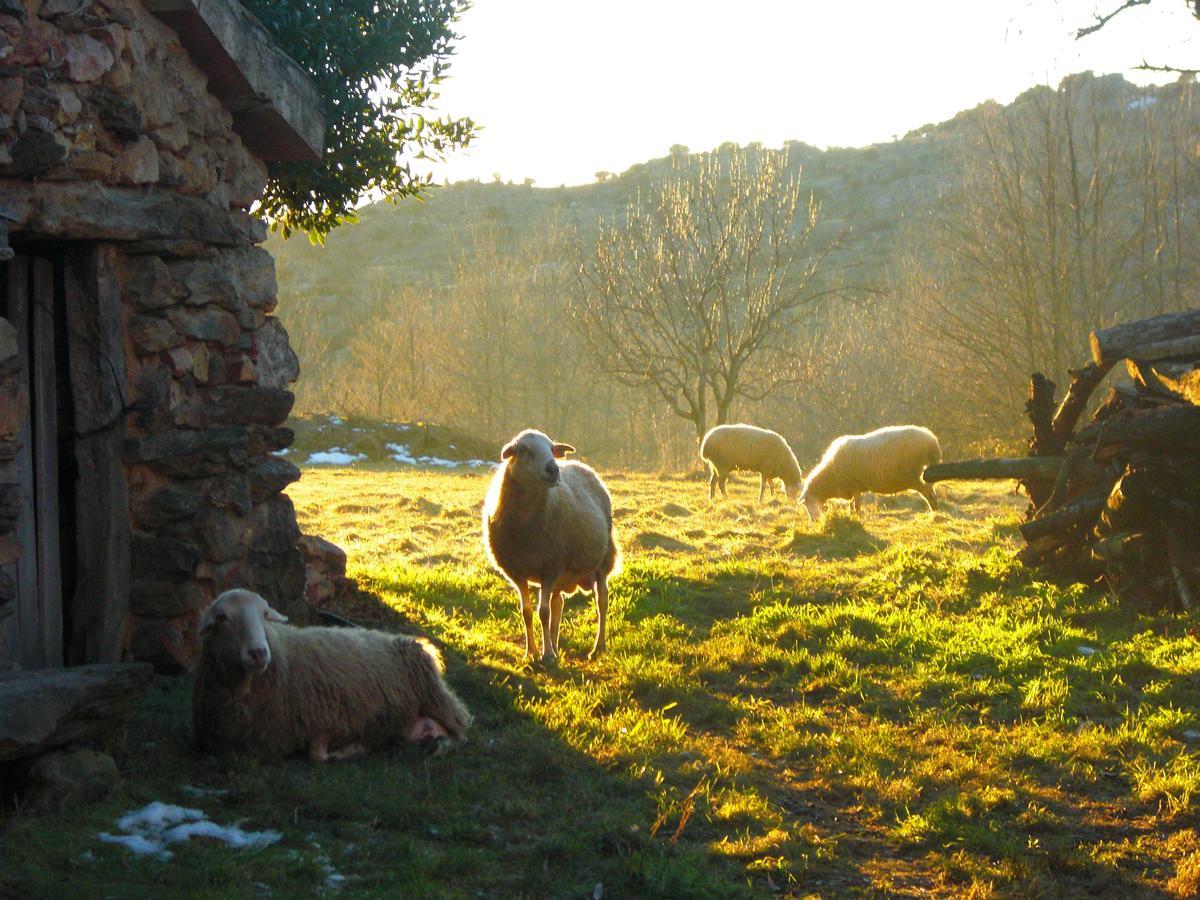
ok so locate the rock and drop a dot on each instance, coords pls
(165, 506)
(183, 443)
(155, 556)
(139, 163)
(200, 364)
(231, 491)
(324, 570)
(12, 90)
(278, 365)
(118, 114)
(92, 165)
(211, 324)
(254, 270)
(322, 553)
(48, 708)
(206, 282)
(157, 598)
(151, 335)
(172, 137)
(12, 8)
(269, 475)
(87, 58)
(179, 360)
(147, 284)
(40, 44)
(161, 644)
(246, 177)
(222, 535)
(52, 8)
(35, 151)
(248, 405)
(67, 778)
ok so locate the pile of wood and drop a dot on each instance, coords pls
(1118, 499)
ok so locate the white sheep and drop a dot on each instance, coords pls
(272, 690)
(885, 461)
(550, 523)
(750, 449)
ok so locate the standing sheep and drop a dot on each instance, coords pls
(886, 461)
(273, 690)
(550, 524)
(750, 449)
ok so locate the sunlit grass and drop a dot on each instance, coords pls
(883, 703)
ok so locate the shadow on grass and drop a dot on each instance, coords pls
(840, 537)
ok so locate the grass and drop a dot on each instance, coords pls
(880, 705)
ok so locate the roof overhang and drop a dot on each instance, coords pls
(276, 108)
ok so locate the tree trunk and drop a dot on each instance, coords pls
(1019, 468)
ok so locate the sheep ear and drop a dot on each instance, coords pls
(509, 449)
(273, 616)
(207, 622)
(561, 450)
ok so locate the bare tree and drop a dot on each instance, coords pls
(700, 291)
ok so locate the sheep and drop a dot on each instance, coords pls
(750, 449)
(885, 461)
(550, 523)
(272, 690)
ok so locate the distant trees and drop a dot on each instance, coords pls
(699, 292)
(1072, 212)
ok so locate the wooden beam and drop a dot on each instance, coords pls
(43, 411)
(100, 604)
(24, 625)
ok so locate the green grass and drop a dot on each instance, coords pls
(887, 704)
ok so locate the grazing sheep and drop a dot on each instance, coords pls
(750, 449)
(886, 461)
(550, 524)
(273, 690)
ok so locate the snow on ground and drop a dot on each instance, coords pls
(151, 829)
(334, 456)
(401, 454)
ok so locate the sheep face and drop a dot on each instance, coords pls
(531, 458)
(234, 628)
(814, 506)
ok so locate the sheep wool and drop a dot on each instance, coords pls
(548, 522)
(885, 461)
(750, 449)
(320, 690)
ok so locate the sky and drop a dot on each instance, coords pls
(564, 89)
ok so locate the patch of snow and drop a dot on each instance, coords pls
(401, 454)
(1085, 651)
(1141, 102)
(1191, 735)
(335, 420)
(334, 456)
(152, 828)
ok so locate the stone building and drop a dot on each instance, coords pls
(143, 380)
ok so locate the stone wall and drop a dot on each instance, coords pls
(100, 92)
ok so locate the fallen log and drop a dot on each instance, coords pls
(1078, 514)
(1083, 383)
(1019, 468)
(1111, 345)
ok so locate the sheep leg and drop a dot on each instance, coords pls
(762, 484)
(549, 655)
(601, 588)
(721, 485)
(856, 502)
(348, 752)
(712, 485)
(527, 617)
(556, 608)
(318, 749)
(926, 491)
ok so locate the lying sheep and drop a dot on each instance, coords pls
(273, 690)
(750, 449)
(550, 524)
(886, 461)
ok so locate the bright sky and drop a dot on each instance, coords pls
(566, 88)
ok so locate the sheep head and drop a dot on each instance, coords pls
(531, 457)
(234, 628)
(814, 506)
(792, 491)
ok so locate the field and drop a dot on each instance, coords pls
(880, 705)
